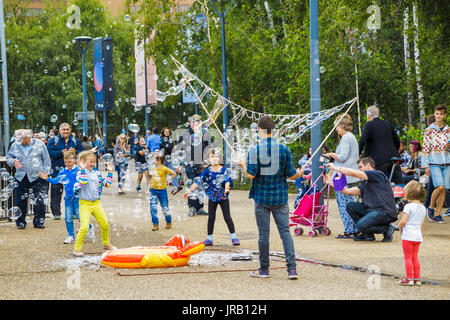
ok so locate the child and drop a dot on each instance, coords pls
(411, 228)
(68, 177)
(158, 190)
(141, 164)
(217, 190)
(88, 188)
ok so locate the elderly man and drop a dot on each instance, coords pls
(56, 147)
(29, 156)
(380, 142)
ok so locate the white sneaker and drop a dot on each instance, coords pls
(69, 240)
(447, 213)
(91, 234)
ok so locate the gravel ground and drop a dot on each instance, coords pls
(36, 264)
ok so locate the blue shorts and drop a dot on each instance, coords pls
(440, 175)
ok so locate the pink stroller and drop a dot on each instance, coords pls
(310, 213)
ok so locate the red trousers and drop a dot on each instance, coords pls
(412, 265)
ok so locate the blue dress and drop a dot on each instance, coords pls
(214, 183)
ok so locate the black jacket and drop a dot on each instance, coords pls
(379, 141)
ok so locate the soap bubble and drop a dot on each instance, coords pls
(14, 213)
(53, 118)
(155, 77)
(108, 158)
(89, 74)
(133, 127)
(127, 17)
(5, 176)
(75, 122)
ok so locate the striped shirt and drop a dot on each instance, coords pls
(89, 185)
(271, 164)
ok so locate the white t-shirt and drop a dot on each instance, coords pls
(412, 229)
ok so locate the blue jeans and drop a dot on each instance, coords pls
(281, 217)
(161, 196)
(369, 222)
(440, 175)
(72, 209)
(175, 181)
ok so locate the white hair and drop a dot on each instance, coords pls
(26, 133)
(373, 112)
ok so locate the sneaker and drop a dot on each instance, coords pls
(202, 212)
(235, 242)
(77, 253)
(57, 217)
(91, 234)
(208, 243)
(39, 226)
(417, 282)
(447, 213)
(363, 237)
(439, 219)
(430, 214)
(21, 226)
(155, 227)
(192, 212)
(176, 190)
(138, 188)
(406, 282)
(109, 247)
(388, 235)
(260, 273)
(292, 275)
(69, 240)
(168, 225)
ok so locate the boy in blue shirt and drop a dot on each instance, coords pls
(68, 177)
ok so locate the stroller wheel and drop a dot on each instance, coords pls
(328, 232)
(313, 233)
(298, 231)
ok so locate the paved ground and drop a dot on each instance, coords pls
(35, 264)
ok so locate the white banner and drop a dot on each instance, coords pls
(140, 76)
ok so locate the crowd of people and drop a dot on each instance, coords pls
(369, 165)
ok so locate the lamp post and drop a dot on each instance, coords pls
(79, 41)
(222, 14)
(316, 131)
(5, 84)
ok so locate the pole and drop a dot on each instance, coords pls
(316, 131)
(85, 123)
(105, 136)
(146, 92)
(5, 82)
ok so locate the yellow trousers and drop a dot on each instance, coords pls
(88, 208)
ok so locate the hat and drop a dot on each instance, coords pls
(195, 117)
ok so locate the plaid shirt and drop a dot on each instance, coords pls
(270, 163)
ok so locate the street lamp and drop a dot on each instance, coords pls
(222, 14)
(79, 42)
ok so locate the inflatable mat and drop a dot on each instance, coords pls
(176, 252)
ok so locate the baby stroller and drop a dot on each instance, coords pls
(308, 210)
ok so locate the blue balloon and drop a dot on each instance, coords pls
(20, 117)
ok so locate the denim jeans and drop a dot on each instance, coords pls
(161, 196)
(281, 217)
(369, 222)
(175, 181)
(72, 209)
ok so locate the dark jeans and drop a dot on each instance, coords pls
(193, 172)
(369, 222)
(37, 188)
(281, 217)
(56, 191)
(212, 208)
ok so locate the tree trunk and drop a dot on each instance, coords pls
(272, 26)
(410, 98)
(417, 63)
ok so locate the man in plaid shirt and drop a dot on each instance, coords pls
(269, 164)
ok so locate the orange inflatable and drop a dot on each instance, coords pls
(176, 252)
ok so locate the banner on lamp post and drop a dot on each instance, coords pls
(141, 76)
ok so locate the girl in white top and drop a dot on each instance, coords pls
(411, 228)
